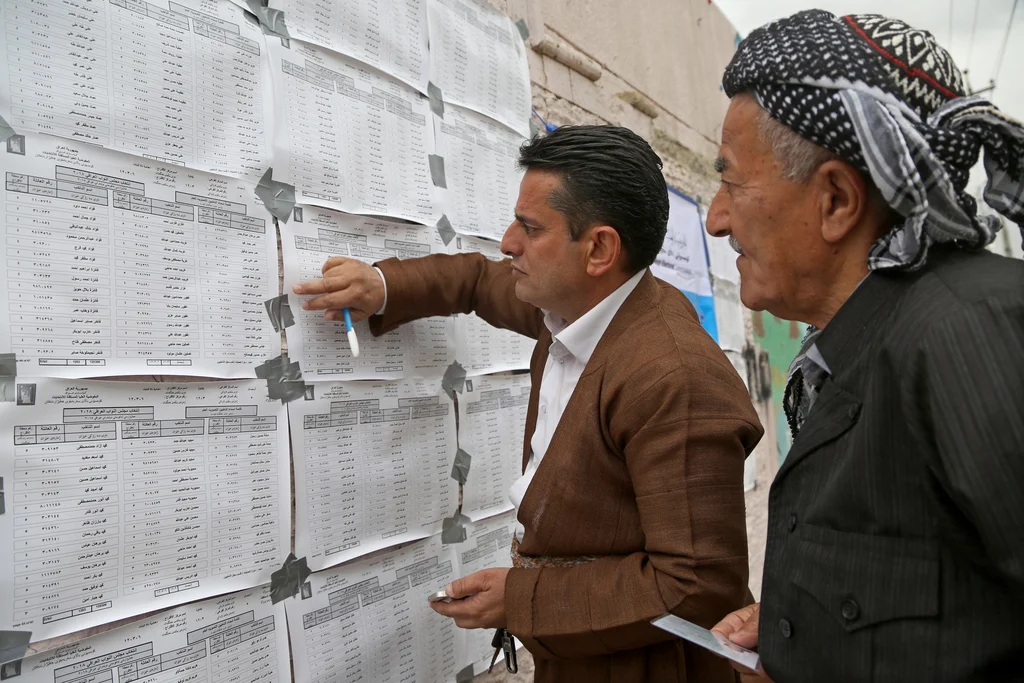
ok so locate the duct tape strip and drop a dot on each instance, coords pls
(279, 198)
(271, 20)
(453, 529)
(287, 581)
(8, 375)
(454, 379)
(13, 645)
(445, 230)
(465, 675)
(524, 30)
(437, 170)
(436, 99)
(280, 312)
(460, 469)
(284, 379)
(5, 129)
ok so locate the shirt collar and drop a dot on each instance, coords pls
(580, 338)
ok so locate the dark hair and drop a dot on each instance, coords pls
(610, 176)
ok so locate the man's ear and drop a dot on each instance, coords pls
(845, 199)
(603, 249)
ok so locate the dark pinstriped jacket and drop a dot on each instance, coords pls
(896, 525)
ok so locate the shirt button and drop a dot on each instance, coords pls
(786, 628)
(791, 525)
(850, 610)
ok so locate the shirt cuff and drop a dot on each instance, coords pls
(384, 282)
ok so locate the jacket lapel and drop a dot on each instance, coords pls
(833, 414)
(537, 363)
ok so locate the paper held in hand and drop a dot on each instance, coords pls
(698, 635)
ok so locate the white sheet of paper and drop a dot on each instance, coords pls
(126, 497)
(117, 265)
(480, 159)
(682, 261)
(492, 420)
(488, 544)
(351, 137)
(369, 620)
(373, 464)
(390, 35)
(480, 347)
(235, 637)
(148, 78)
(707, 640)
(423, 348)
(478, 59)
(728, 308)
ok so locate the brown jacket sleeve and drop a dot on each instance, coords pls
(463, 283)
(686, 436)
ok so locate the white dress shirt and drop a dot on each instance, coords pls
(571, 348)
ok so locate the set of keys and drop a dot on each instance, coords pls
(504, 642)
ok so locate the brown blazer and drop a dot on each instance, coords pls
(645, 471)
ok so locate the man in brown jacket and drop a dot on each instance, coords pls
(631, 502)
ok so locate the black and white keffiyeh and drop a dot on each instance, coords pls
(889, 100)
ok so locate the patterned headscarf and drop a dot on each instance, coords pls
(887, 99)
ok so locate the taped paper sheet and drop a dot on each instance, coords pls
(492, 419)
(149, 78)
(423, 348)
(390, 35)
(118, 265)
(127, 497)
(479, 346)
(351, 138)
(231, 638)
(372, 467)
(478, 60)
(480, 170)
(369, 620)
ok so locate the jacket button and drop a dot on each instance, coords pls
(850, 610)
(791, 525)
(852, 411)
(786, 628)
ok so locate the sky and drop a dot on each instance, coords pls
(972, 31)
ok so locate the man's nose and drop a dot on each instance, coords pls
(509, 242)
(717, 223)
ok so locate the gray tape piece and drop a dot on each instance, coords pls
(279, 198)
(436, 99)
(454, 379)
(271, 20)
(3, 507)
(465, 675)
(460, 469)
(8, 365)
(287, 581)
(524, 30)
(534, 129)
(284, 379)
(445, 230)
(437, 170)
(13, 645)
(280, 312)
(5, 129)
(453, 529)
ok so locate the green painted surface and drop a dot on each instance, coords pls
(781, 339)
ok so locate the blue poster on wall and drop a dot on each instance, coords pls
(683, 260)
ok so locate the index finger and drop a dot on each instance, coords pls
(731, 623)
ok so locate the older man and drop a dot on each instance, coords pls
(631, 500)
(896, 525)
